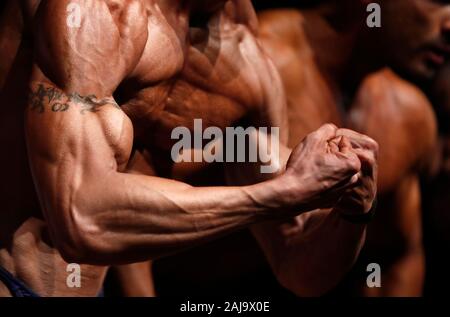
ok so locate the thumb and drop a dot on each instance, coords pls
(345, 145)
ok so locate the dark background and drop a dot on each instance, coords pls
(266, 4)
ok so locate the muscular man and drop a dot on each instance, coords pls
(87, 115)
(327, 57)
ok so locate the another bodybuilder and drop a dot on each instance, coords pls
(327, 55)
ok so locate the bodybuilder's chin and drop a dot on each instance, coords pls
(419, 73)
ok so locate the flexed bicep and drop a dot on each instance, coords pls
(76, 132)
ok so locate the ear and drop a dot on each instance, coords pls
(243, 12)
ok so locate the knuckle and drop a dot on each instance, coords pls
(371, 158)
(313, 137)
(373, 145)
(368, 156)
(344, 131)
(307, 140)
(329, 126)
(353, 164)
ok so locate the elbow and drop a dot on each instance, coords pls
(75, 252)
(83, 249)
(79, 240)
(81, 252)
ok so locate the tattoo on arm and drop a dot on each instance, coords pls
(60, 102)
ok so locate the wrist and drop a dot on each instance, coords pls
(293, 193)
(277, 197)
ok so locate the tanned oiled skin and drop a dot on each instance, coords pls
(133, 71)
(380, 104)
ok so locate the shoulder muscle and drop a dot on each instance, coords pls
(399, 116)
(101, 49)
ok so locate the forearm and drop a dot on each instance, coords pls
(130, 218)
(78, 146)
(301, 249)
(313, 253)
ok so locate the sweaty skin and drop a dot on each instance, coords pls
(314, 59)
(82, 106)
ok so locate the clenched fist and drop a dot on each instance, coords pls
(359, 199)
(322, 168)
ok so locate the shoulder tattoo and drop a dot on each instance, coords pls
(43, 98)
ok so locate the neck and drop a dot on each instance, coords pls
(341, 53)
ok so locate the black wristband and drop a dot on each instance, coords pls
(360, 219)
